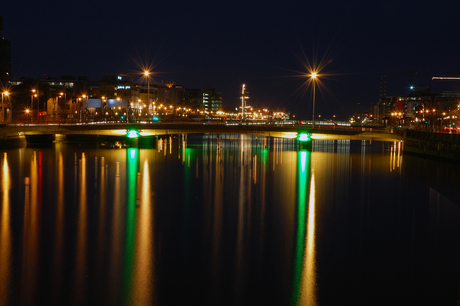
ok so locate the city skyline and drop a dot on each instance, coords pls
(264, 45)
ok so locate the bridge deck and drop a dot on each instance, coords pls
(282, 131)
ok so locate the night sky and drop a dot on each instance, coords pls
(264, 44)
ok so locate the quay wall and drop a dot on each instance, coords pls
(433, 145)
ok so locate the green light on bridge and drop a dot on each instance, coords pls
(304, 137)
(132, 134)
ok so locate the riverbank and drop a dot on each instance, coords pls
(442, 146)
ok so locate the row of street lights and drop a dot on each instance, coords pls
(313, 77)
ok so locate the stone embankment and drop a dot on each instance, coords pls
(433, 145)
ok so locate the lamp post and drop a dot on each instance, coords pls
(147, 75)
(313, 77)
(104, 107)
(85, 109)
(65, 102)
(32, 103)
(81, 107)
(3, 111)
(119, 107)
(35, 94)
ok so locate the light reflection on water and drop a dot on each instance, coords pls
(226, 219)
(5, 234)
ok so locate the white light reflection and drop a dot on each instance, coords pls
(80, 258)
(143, 289)
(308, 283)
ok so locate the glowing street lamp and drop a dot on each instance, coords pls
(147, 75)
(313, 77)
(3, 111)
(86, 108)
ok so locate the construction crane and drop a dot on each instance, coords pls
(412, 73)
(129, 75)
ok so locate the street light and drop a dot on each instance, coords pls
(119, 107)
(35, 94)
(32, 102)
(65, 101)
(3, 111)
(86, 108)
(313, 77)
(147, 75)
(79, 101)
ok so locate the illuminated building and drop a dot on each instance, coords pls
(212, 99)
(119, 86)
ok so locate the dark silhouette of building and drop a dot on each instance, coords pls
(5, 58)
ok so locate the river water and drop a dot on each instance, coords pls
(228, 220)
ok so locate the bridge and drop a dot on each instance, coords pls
(11, 132)
(426, 144)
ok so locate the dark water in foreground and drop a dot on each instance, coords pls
(229, 220)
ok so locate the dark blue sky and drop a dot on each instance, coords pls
(261, 43)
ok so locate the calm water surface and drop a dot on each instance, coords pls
(228, 220)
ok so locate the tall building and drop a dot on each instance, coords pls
(212, 99)
(119, 86)
(194, 99)
(5, 58)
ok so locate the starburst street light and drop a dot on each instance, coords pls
(313, 77)
(313, 74)
(147, 75)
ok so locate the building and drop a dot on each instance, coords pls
(119, 86)
(194, 99)
(5, 59)
(212, 99)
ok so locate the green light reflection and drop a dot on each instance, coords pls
(303, 185)
(131, 190)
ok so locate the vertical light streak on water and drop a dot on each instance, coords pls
(40, 181)
(184, 146)
(143, 281)
(255, 169)
(217, 224)
(59, 230)
(281, 152)
(187, 205)
(80, 273)
(116, 245)
(303, 170)
(308, 285)
(101, 251)
(391, 159)
(131, 188)
(5, 235)
(262, 192)
(30, 239)
(240, 222)
(363, 157)
(394, 156)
